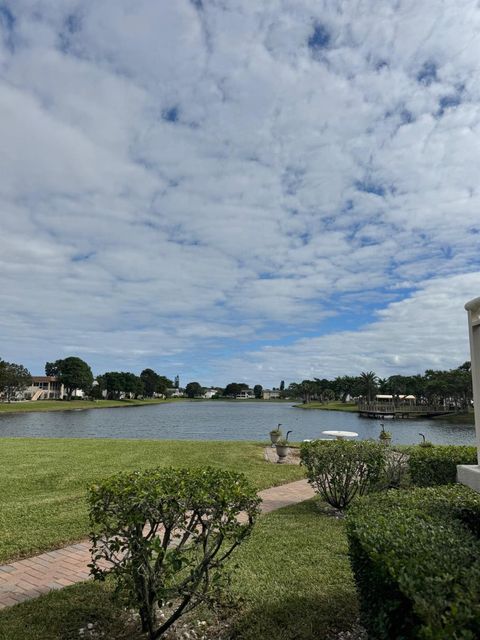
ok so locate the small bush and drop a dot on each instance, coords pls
(416, 560)
(436, 465)
(164, 535)
(395, 474)
(339, 470)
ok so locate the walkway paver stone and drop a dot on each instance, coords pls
(31, 577)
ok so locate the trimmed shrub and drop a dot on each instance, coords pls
(165, 534)
(416, 560)
(395, 474)
(339, 470)
(436, 465)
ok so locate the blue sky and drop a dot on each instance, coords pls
(239, 190)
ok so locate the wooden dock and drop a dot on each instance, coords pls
(401, 411)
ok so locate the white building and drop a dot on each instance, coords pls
(246, 394)
(48, 388)
(210, 393)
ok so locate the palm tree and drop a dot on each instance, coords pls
(368, 384)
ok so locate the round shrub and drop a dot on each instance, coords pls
(339, 470)
(165, 534)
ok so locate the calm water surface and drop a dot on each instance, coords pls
(220, 421)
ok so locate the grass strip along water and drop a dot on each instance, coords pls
(70, 405)
(43, 481)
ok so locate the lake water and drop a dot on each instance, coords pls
(220, 421)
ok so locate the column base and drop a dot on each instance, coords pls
(469, 474)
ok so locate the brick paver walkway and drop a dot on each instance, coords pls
(26, 579)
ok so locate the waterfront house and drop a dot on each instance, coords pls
(210, 393)
(246, 394)
(271, 394)
(48, 388)
(45, 388)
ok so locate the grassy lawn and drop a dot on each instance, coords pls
(43, 481)
(292, 581)
(329, 406)
(68, 405)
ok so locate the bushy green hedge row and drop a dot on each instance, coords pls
(437, 465)
(416, 560)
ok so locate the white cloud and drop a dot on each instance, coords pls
(427, 330)
(183, 182)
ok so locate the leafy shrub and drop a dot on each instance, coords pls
(416, 560)
(164, 535)
(339, 470)
(436, 465)
(395, 474)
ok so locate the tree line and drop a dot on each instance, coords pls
(75, 374)
(453, 386)
(433, 387)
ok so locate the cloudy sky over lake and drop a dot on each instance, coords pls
(244, 190)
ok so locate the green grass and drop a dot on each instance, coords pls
(69, 405)
(291, 581)
(458, 418)
(329, 406)
(294, 577)
(43, 482)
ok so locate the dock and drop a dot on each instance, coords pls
(402, 411)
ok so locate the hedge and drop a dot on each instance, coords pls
(437, 465)
(416, 560)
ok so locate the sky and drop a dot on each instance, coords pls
(239, 190)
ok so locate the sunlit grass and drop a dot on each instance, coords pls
(43, 482)
(290, 581)
(69, 405)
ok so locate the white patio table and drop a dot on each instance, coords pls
(341, 435)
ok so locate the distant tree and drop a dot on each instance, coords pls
(114, 384)
(308, 388)
(164, 384)
(132, 384)
(396, 385)
(98, 387)
(234, 388)
(154, 383)
(74, 373)
(258, 391)
(194, 389)
(294, 390)
(150, 381)
(282, 385)
(368, 384)
(14, 378)
(51, 368)
(328, 395)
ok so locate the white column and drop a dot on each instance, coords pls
(470, 474)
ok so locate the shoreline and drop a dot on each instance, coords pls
(328, 406)
(47, 406)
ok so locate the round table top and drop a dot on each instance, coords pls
(341, 434)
